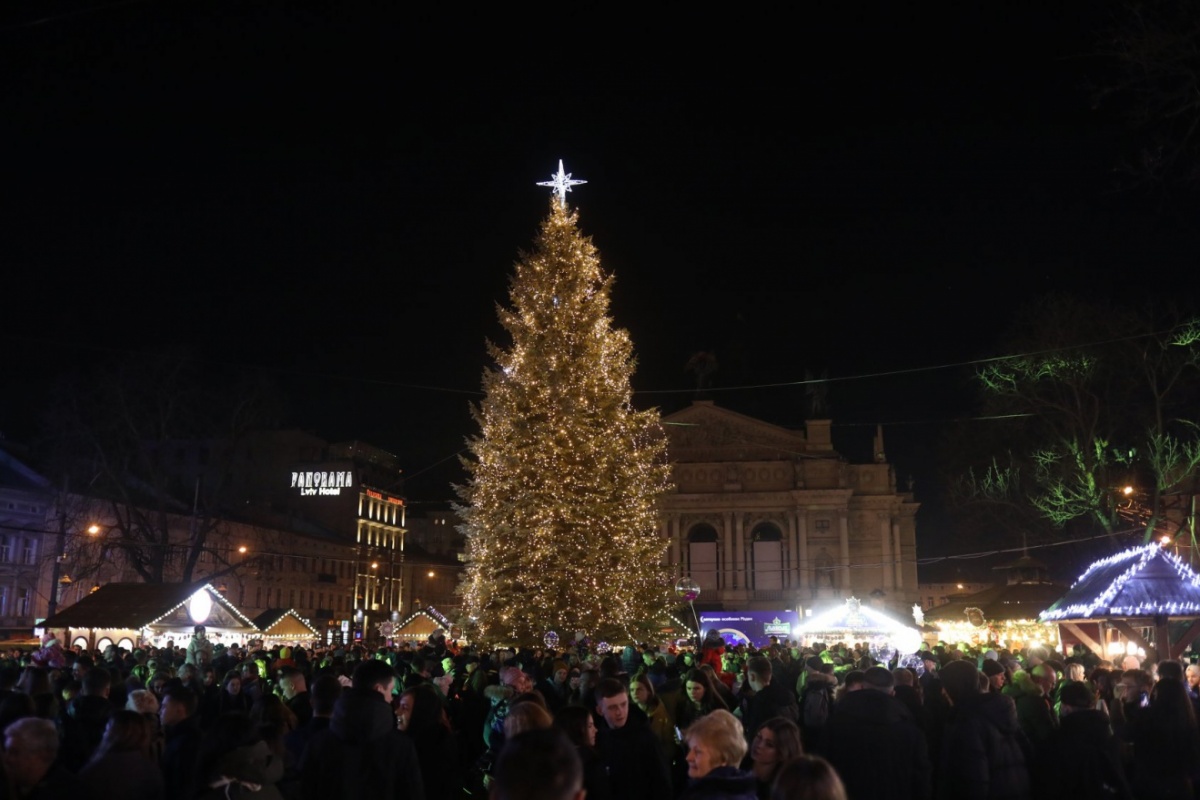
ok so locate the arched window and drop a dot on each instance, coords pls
(703, 556)
(103, 643)
(766, 557)
(126, 644)
(80, 641)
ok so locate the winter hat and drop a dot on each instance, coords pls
(991, 655)
(285, 652)
(557, 665)
(814, 662)
(1077, 695)
(509, 674)
(991, 668)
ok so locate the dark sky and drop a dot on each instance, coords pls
(330, 194)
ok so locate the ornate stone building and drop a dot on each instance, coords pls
(764, 517)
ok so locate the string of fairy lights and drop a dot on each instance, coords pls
(560, 508)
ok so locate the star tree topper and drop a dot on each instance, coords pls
(561, 183)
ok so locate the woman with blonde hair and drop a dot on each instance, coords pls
(716, 746)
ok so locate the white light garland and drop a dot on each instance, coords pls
(229, 606)
(293, 612)
(1140, 557)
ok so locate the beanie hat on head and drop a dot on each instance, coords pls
(509, 674)
(991, 667)
(557, 665)
(1077, 695)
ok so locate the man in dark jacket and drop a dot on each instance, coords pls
(873, 722)
(86, 718)
(628, 749)
(1082, 758)
(181, 732)
(31, 771)
(323, 696)
(1030, 695)
(295, 693)
(770, 699)
(984, 752)
(362, 754)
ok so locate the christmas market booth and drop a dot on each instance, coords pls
(419, 626)
(854, 622)
(130, 614)
(1144, 600)
(1005, 615)
(285, 626)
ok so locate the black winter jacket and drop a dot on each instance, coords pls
(984, 752)
(362, 754)
(871, 722)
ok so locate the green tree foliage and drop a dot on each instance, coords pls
(560, 506)
(1092, 401)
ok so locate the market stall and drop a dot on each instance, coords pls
(853, 622)
(131, 614)
(1005, 615)
(285, 626)
(1141, 599)
(419, 626)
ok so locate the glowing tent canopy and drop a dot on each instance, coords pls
(854, 622)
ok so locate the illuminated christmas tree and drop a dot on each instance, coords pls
(560, 506)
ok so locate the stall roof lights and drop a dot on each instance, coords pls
(1107, 602)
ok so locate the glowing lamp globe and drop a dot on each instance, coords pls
(603, 648)
(551, 639)
(687, 589)
(199, 607)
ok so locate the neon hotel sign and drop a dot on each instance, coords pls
(312, 484)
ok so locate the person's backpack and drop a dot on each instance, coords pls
(814, 705)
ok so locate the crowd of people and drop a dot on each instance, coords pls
(434, 720)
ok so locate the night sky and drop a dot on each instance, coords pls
(339, 199)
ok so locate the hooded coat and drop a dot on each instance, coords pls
(361, 754)
(984, 752)
(870, 721)
(1081, 759)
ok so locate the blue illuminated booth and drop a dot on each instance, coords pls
(132, 614)
(1144, 598)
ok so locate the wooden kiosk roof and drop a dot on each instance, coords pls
(284, 622)
(1145, 581)
(136, 606)
(1141, 587)
(1007, 601)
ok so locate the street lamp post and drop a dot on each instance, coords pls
(687, 589)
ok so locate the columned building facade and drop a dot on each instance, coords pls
(764, 517)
